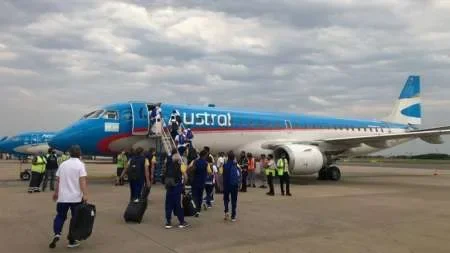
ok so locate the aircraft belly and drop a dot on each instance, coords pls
(124, 143)
(32, 149)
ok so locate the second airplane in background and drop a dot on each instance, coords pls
(312, 143)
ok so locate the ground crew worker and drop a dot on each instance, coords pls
(121, 162)
(251, 171)
(37, 172)
(283, 173)
(262, 167)
(50, 169)
(270, 172)
(64, 156)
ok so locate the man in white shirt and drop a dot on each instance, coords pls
(71, 190)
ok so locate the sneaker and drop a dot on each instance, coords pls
(56, 238)
(168, 225)
(197, 214)
(209, 206)
(184, 225)
(73, 244)
(136, 200)
(233, 219)
(288, 194)
(227, 216)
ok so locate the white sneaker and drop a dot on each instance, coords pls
(73, 244)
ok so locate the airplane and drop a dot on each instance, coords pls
(312, 143)
(27, 143)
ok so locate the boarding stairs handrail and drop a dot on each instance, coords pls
(168, 141)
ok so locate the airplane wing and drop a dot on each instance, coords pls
(432, 135)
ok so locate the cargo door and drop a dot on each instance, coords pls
(141, 121)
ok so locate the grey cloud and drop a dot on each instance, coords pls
(324, 57)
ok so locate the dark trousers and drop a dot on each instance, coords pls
(197, 196)
(270, 183)
(173, 203)
(61, 216)
(49, 174)
(35, 181)
(244, 180)
(209, 193)
(136, 189)
(118, 174)
(233, 191)
(285, 179)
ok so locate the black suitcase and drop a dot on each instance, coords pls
(189, 207)
(82, 224)
(135, 211)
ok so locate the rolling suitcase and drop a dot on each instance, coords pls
(189, 207)
(82, 224)
(135, 210)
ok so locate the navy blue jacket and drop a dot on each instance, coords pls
(226, 174)
(201, 172)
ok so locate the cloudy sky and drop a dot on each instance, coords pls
(62, 59)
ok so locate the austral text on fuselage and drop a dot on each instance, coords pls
(207, 119)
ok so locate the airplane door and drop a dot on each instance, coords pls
(288, 126)
(141, 121)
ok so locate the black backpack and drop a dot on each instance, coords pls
(137, 165)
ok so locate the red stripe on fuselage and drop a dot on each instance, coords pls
(103, 145)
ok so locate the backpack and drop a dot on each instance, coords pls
(137, 165)
(235, 175)
(172, 179)
(174, 126)
(189, 134)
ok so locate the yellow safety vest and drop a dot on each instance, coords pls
(121, 161)
(63, 158)
(39, 167)
(270, 171)
(281, 166)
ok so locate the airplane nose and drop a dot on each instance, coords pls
(59, 142)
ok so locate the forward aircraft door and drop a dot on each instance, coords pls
(141, 121)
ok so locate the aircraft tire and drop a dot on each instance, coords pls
(322, 174)
(334, 174)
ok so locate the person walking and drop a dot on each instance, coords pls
(174, 189)
(231, 179)
(70, 191)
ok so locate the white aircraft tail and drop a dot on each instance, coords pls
(408, 109)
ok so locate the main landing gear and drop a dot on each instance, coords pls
(330, 173)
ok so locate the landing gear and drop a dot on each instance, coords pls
(330, 173)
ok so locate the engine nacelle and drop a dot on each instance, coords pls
(303, 159)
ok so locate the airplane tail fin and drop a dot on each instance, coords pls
(408, 108)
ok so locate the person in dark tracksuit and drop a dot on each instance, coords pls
(174, 188)
(231, 178)
(243, 163)
(200, 167)
(138, 177)
(50, 170)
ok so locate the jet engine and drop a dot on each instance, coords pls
(303, 159)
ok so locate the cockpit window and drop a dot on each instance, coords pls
(93, 115)
(110, 115)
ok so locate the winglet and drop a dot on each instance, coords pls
(408, 109)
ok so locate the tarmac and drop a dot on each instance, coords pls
(372, 209)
